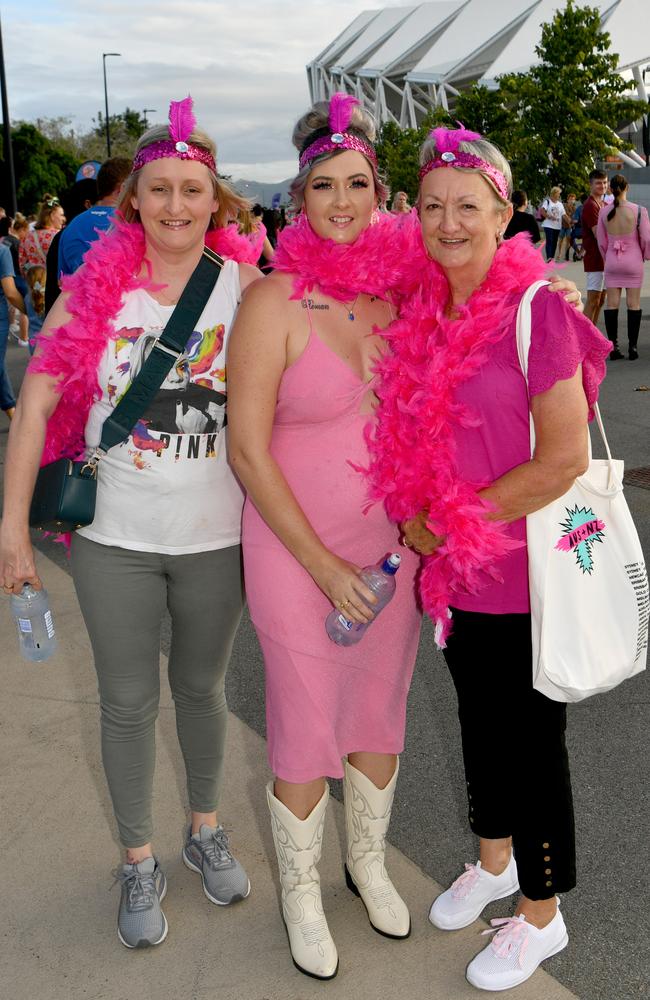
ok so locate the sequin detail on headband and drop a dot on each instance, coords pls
(181, 125)
(341, 109)
(449, 155)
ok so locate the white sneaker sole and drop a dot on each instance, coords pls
(475, 915)
(517, 982)
(218, 902)
(149, 944)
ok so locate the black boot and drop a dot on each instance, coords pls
(611, 325)
(633, 327)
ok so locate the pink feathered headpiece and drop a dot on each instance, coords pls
(181, 125)
(326, 140)
(448, 154)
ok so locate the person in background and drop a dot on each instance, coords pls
(35, 302)
(576, 229)
(258, 224)
(86, 227)
(564, 242)
(624, 242)
(50, 219)
(552, 211)
(592, 260)
(9, 295)
(522, 221)
(11, 232)
(400, 203)
(81, 196)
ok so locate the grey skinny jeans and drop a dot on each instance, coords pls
(123, 595)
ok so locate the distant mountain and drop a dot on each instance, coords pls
(263, 193)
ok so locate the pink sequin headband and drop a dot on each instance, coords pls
(449, 155)
(181, 125)
(326, 140)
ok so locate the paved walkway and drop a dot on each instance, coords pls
(59, 940)
(58, 932)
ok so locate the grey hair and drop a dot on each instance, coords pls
(362, 124)
(230, 201)
(485, 150)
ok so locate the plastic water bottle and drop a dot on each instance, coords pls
(379, 578)
(31, 612)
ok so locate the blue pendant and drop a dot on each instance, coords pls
(351, 316)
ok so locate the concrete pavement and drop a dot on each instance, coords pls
(59, 939)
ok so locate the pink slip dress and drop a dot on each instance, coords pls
(324, 701)
(623, 253)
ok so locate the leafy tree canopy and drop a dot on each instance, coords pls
(551, 123)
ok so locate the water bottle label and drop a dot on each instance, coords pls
(49, 624)
(345, 623)
(24, 624)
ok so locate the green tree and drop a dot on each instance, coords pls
(552, 122)
(39, 166)
(398, 151)
(562, 114)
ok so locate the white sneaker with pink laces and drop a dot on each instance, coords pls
(466, 898)
(515, 952)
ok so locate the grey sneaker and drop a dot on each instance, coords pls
(141, 923)
(208, 853)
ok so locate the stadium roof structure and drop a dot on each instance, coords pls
(402, 61)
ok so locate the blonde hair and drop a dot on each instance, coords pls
(36, 276)
(555, 190)
(231, 203)
(47, 206)
(484, 150)
(362, 124)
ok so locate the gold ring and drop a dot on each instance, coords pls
(343, 605)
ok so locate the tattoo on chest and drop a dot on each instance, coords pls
(310, 304)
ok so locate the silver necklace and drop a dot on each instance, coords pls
(350, 309)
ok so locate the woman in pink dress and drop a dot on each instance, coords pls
(624, 241)
(300, 370)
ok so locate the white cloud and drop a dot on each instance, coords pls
(244, 65)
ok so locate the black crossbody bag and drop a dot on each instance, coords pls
(65, 491)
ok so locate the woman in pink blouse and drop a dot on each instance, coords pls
(452, 461)
(624, 241)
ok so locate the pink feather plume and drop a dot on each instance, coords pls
(181, 119)
(341, 109)
(447, 139)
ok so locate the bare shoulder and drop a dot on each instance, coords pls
(248, 274)
(274, 291)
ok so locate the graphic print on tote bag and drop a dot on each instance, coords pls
(580, 531)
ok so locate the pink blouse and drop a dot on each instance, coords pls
(562, 339)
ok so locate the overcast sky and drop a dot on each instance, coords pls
(243, 62)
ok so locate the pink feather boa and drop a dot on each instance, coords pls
(229, 243)
(387, 257)
(72, 353)
(412, 443)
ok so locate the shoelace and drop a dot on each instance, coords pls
(140, 888)
(511, 932)
(217, 850)
(465, 882)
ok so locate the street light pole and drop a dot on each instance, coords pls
(6, 124)
(108, 127)
(151, 111)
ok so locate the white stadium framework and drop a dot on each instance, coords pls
(403, 61)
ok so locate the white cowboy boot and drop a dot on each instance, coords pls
(298, 847)
(367, 815)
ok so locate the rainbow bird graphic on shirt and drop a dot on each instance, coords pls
(582, 529)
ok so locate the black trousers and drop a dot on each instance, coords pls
(516, 763)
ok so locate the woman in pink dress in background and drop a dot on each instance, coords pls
(300, 373)
(624, 240)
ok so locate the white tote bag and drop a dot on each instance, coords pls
(588, 581)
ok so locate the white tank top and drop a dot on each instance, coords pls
(168, 488)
